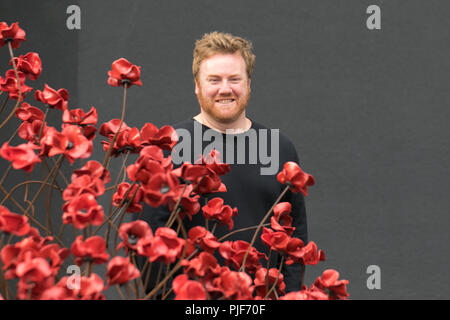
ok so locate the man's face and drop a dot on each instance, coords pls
(223, 87)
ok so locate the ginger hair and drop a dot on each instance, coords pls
(219, 42)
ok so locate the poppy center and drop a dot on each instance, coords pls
(164, 189)
(126, 81)
(132, 239)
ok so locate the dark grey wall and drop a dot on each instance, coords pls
(57, 47)
(367, 110)
(46, 34)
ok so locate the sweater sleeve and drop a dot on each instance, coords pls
(293, 274)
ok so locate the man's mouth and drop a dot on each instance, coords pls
(225, 101)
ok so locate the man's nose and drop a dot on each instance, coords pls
(225, 88)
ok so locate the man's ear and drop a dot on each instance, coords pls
(196, 87)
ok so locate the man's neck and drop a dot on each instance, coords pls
(241, 124)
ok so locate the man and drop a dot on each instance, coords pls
(222, 69)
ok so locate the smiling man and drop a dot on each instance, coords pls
(222, 69)
(222, 86)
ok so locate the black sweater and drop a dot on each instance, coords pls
(248, 190)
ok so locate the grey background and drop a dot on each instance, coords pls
(367, 110)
